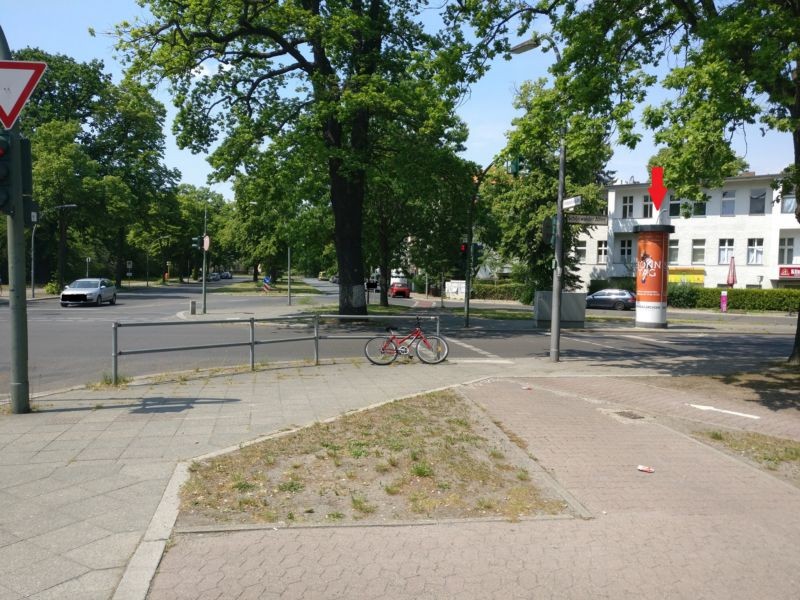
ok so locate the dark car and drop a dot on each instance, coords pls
(399, 289)
(611, 298)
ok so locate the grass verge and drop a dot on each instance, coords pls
(429, 457)
(770, 452)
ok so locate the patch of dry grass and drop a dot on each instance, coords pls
(770, 452)
(429, 457)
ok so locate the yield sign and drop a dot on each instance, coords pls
(17, 82)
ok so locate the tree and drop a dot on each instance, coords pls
(259, 70)
(522, 205)
(738, 63)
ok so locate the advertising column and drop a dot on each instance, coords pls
(651, 274)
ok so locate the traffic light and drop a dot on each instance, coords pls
(477, 253)
(463, 250)
(549, 231)
(197, 242)
(513, 166)
(5, 173)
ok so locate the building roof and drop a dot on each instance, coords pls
(738, 179)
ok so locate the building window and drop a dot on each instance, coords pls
(674, 206)
(789, 204)
(626, 251)
(699, 209)
(627, 207)
(725, 250)
(580, 251)
(758, 201)
(647, 207)
(673, 252)
(698, 252)
(755, 251)
(602, 252)
(786, 251)
(728, 204)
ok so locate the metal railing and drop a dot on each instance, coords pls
(252, 341)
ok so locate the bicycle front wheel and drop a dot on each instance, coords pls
(432, 349)
(380, 351)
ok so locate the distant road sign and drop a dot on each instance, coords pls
(571, 202)
(206, 243)
(587, 219)
(17, 81)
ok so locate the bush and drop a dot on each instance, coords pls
(51, 287)
(681, 295)
(686, 296)
(503, 291)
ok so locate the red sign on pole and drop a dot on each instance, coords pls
(18, 79)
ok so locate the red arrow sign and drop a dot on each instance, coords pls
(657, 189)
(17, 82)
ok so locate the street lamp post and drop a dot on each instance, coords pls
(558, 271)
(33, 246)
(88, 260)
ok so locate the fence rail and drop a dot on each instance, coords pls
(252, 342)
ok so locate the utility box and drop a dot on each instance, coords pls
(573, 309)
(192, 307)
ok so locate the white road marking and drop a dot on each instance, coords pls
(590, 343)
(473, 348)
(647, 339)
(727, 412)
(486, 361)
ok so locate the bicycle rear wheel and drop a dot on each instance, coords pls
(380, 351)
(432, 349)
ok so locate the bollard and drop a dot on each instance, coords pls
(192, 307)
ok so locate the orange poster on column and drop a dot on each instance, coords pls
(651, 268)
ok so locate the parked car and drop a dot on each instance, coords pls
(334, 279)
(89, 291)
(323, 276)
(611, 298)
(213, 277)
(225, 275)
(399, 289)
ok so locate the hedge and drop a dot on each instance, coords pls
(687, 296)
(680, 295)
(503, 291)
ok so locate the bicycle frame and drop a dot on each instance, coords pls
(404, 344)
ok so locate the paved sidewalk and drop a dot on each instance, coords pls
(704, 525)
(84, 513)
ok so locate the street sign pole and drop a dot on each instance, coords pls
(15, 225)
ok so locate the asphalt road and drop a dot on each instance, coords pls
(73, 346)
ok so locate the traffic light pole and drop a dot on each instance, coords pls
(15, 224)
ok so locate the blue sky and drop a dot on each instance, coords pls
(59, 26)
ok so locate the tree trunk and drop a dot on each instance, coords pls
(347, 199)
(794, 357)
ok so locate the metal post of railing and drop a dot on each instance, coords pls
(316, 340)
(114, 348)
(437, 325)
(252, 344)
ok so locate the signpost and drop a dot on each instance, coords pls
(17, 82)
(18, 79)
(587, 219)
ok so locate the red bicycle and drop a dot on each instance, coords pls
(384, 350)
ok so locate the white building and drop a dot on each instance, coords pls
(744, 219)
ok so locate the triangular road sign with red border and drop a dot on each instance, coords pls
(18, 79)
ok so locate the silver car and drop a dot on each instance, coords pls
(89, 291)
